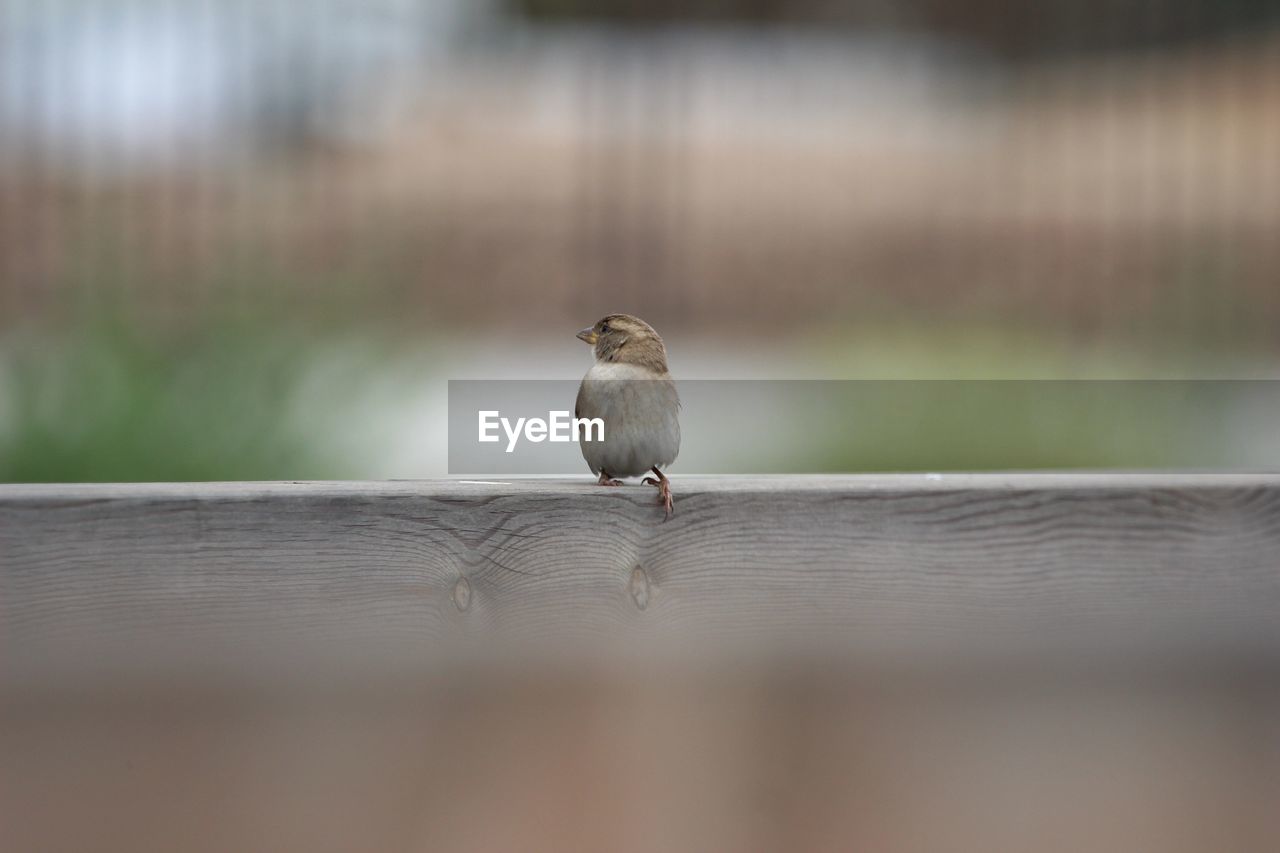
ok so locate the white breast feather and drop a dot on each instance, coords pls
(641, 419)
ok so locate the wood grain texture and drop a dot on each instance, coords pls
(342, 581)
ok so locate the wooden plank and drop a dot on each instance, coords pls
(343, 581)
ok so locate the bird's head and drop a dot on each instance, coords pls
(627, 339)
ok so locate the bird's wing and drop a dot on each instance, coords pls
(592, 399)
(582, 408)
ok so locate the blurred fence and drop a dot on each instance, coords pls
(485, 170)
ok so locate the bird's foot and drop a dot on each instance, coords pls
(664, 491)
(606, 480)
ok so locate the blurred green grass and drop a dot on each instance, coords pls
(1043, 400)
(252, 398)
(225, 401)
(1027, 425)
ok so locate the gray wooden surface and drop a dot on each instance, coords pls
(335, 582)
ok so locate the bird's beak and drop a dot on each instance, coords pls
(588, 335)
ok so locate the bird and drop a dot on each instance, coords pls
(631, 390)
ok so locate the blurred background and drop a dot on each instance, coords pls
(254, 239)
(244, 240)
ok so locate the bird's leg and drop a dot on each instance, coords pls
(606, 480)
(664, 489)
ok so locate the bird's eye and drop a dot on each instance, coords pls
(604, 327)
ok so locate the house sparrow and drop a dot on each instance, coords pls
(630, 389)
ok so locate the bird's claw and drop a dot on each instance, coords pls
(664, 493)
(607, 481)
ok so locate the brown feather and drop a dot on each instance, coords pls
(630, 340)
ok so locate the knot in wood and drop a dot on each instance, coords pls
(639, 587)
(462, 594)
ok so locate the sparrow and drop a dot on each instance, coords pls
(631, 391)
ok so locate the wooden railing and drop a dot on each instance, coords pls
(369, 580)
(913, 662)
